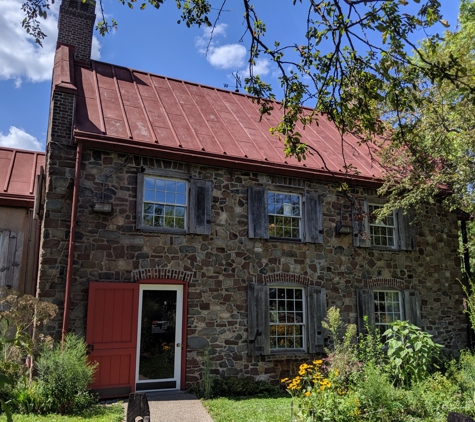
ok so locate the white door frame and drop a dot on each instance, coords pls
(178, 331)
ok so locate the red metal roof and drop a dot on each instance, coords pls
(18, 170)
(153, 114)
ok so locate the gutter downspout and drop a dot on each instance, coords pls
(72, 235)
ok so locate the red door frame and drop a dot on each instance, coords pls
(184, 334)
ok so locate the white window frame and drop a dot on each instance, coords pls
(174, 175)
(287, 213)
(274, 318)
(379, 316)
(373, 224)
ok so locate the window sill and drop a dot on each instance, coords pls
(284, 240)
(291, 354)
(384, 248)
(150, 229)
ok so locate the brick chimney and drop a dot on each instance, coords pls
(75, 26)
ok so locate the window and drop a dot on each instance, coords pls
(287, 318)
(167, 201)
(384, 305)
(393, 232)
(383, 232)
(387, 308)
(285, 215)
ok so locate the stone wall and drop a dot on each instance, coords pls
(221, 265)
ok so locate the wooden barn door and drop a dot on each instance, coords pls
(111, 334)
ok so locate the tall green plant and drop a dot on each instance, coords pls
(469, 303)
(64, 376)
(342, 352)
(411, 352)
(18, 314)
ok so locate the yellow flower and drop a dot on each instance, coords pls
(307, 393)
(317, 362)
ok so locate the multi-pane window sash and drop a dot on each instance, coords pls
(387, 308)
(382, 233)
(165, 202)
(285, 215)
(287, 318)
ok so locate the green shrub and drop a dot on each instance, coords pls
(380, 399)
(370, 345)
(24, 397)
(411, 352)
(433, 398)
(242, 387)
(64, 376)
(342, 358)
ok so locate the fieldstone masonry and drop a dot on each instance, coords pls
(219, 267)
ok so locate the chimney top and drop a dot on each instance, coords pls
(75, 26)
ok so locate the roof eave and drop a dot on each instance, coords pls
(178, 154)
(19, 201)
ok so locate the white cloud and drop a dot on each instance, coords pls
(20, 58)
(95, 49)
(18, 138)
(209, 35)
(261, 67)
(228, 56)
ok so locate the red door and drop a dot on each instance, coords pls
(112, 335)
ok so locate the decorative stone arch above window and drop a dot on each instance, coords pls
(161, 273)
(387, 282)
(277, 278)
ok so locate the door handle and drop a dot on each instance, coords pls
(178, 345)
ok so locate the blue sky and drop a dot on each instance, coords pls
(148, 40)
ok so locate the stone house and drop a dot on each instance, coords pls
(174, 225)
(21, 175)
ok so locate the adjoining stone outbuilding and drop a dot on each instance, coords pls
(174, 225)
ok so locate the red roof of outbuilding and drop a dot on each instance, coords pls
(125, 109)
(18, 170)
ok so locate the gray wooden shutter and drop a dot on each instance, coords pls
(317, 310)
(412, 307)
(10, 259)
(313, 219)
(257, 212)
(407, 232)
(139, 205)
(258, 324)
(361, 225)
(364, 307)
(201, 193)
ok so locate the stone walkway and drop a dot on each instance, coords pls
(175, 406)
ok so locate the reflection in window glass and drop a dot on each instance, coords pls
(164, 203)
(387, 308)
(285, 215)
(382, 232)
(287, 318)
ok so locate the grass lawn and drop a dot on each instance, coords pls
(114, 413)
(249, 409)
